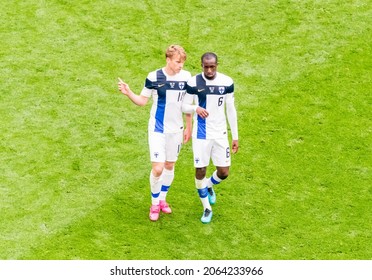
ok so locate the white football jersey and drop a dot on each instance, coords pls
(167, 93)
(213, 95)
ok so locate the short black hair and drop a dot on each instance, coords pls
(209, 55)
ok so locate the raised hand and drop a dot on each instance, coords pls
(123, 87)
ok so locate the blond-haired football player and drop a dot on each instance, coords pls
(166, 133)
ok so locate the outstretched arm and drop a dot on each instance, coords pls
(136, 99)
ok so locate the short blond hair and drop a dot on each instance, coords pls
(173, 50)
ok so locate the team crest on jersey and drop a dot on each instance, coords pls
(221, 90)
(181, 85)
(211, 89)
(172, 85)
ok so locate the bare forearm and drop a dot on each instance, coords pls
(137, 99)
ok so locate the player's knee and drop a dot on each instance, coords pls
(223, 176)
(157, 171)
(223, 173)
(200, 173)
(169, 165)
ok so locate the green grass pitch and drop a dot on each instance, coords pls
(74, 158)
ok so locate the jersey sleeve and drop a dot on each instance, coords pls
(188, 100)
(231, 113)
(150, 85)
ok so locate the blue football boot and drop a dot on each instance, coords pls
(211, 196)
(207, 216)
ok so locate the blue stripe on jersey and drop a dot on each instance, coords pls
(230, 89)
(202, 96)
(162, 99)
(202, 132)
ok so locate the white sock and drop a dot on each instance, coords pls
(213, 180)
(167, 179)
(155, 185)
(203, 193)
